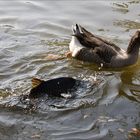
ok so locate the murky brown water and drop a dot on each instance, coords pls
(29, 32)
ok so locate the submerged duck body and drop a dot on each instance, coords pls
(54, 87)
(90, 48)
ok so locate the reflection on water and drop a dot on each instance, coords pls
(128, 24)
(130, 87)
(34, 36)
(121, 7)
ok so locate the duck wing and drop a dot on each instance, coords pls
(90, 40)
(105, 53)
(98, 55)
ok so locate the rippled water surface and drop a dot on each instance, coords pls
(34, 38)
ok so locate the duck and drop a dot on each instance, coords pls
(52, 88)
(91, 48)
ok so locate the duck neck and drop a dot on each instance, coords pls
(133, 47)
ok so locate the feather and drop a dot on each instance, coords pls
(36, 82)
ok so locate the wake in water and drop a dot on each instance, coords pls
(82, 94)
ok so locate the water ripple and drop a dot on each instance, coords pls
(34, 36)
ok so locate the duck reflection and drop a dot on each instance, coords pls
(131, 83)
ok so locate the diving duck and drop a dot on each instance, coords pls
(88, 47)
(53, 87)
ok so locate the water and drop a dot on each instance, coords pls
(31, 32)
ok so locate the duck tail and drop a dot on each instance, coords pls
(76, 30)
(36, 82)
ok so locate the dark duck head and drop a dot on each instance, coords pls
(54, 87)
(88, 47)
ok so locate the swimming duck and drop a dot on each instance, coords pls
(53, 87)
(88, 47)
